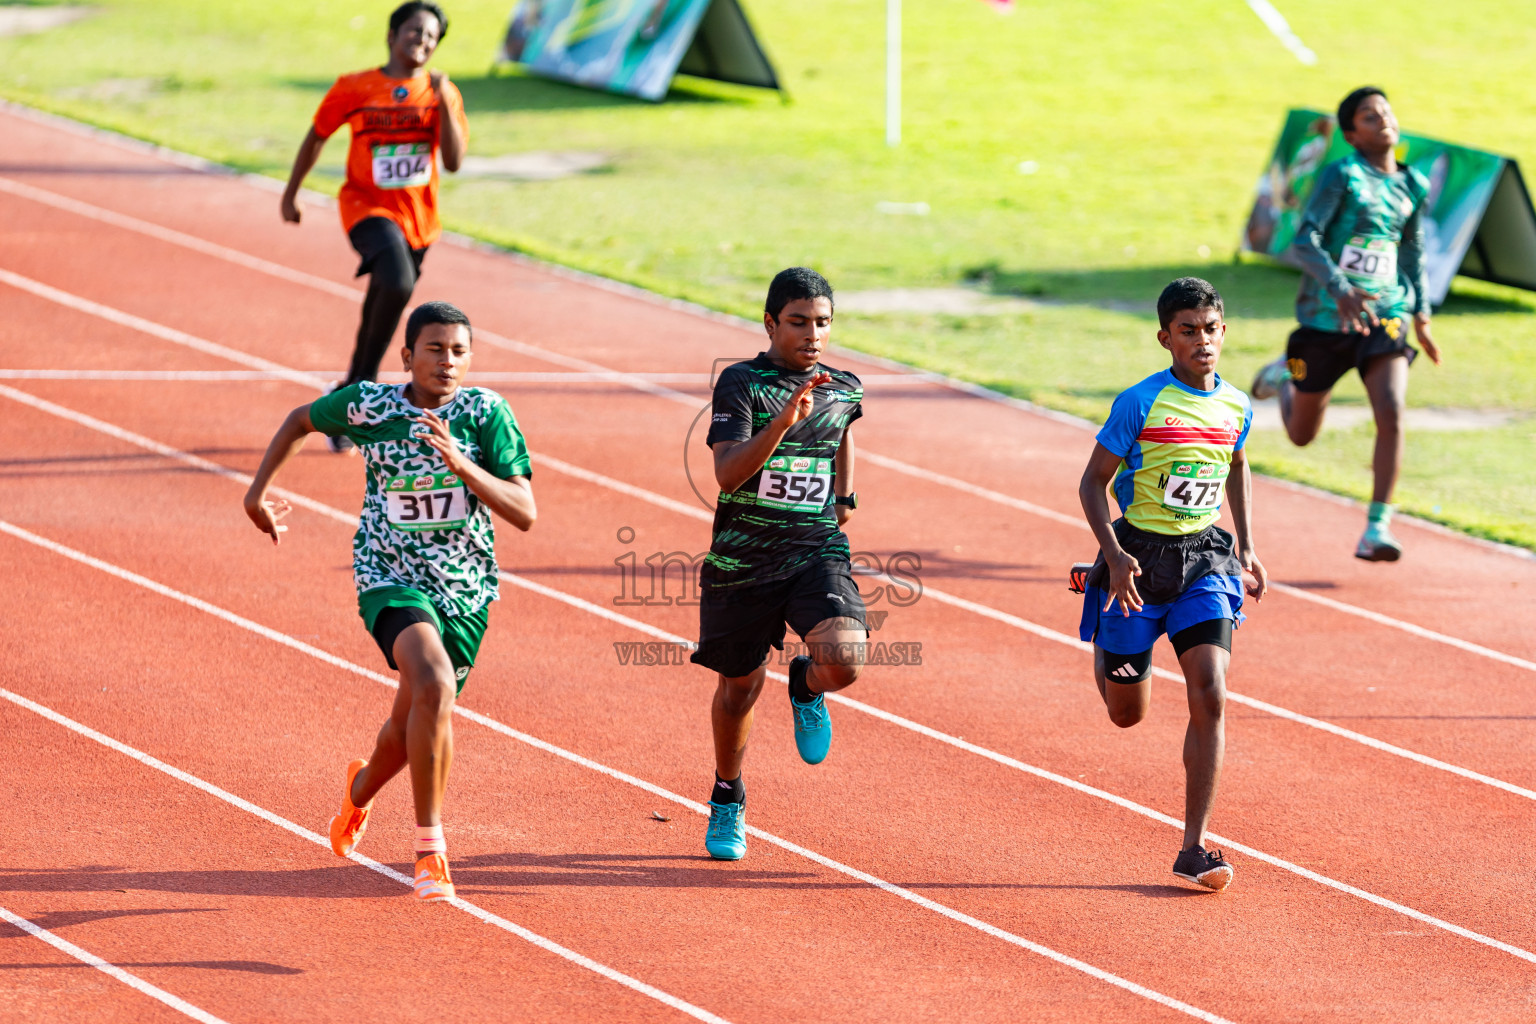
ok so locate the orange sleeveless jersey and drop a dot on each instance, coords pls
(392, 162)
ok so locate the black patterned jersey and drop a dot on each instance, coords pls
(782, 518)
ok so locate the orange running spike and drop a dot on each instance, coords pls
(432, 879)
(351, 821)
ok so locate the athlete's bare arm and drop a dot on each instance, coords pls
(1239, 493)
(303, 162)
(450, 135)
(736, 461)
(1093, 492)
(842, 485)
(285, 445)
(511, 499)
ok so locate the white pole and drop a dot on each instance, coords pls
(893, 72)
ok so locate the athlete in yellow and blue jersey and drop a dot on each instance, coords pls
(1171, 449)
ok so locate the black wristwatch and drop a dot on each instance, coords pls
(851, 500)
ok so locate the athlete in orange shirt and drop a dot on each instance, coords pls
(402, 117)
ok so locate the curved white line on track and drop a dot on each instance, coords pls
(506, 730)
(133, 981)
(661, 634)
(283, 823)
(641, 382)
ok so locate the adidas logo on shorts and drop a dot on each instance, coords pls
(1126, 671)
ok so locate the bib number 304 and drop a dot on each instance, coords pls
(1194, 487)
(802, 484)
(433, 501)
(408, 165)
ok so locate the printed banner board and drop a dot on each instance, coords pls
(1479, 223)
(636, 46)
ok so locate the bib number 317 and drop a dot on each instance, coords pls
(802, 484)
(405, 166)
(433, 501)
(1194, 488)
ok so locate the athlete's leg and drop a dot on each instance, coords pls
(837, 649)
(1386, 382)
(388, 755)
(730, 718)
(1205, 741)
(1302, 413)
(426, 674)
(1125, 683)
(392, 273)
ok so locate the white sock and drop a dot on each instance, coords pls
(429, 839)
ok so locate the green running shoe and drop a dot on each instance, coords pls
(726, 837)
(1378, 545)
(813, 726)
(1266, 383)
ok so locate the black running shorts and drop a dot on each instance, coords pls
(738, 624)
(1317, 359)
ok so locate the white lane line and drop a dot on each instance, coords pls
(133, 981)
(506, 730)
(661, 634)
(1276, 23)
(283, 823)
(682, 508)
(641, 383)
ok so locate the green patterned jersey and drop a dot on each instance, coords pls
(1362, 229)
(782, 518)
(420, 526)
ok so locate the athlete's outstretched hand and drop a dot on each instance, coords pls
(439, 438)
(1260, 585)
(802, 401)
(267, 515)
(1352, 306)
(1123, 570)
(293, 210)
(1421, 331)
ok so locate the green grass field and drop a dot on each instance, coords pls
(1147, 122)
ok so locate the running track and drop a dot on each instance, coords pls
(180, 697)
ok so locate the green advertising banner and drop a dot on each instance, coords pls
(1479, 223)
(636, 46)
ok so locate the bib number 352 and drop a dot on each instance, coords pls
(802, 484)
(1194, 488)
(432, 501)
(405, 166)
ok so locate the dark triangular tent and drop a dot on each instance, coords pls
(635, 47)
(1479, 221)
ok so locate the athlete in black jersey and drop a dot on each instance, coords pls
(784, 462)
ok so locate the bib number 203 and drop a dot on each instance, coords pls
(434, 501)
(802, 484)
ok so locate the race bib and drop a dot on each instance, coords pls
(1371, 262)
(404, 166)
(795, 482)
(432, 501)
(1194, 488)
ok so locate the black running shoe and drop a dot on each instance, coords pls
(1208, 869)
(1077, 577)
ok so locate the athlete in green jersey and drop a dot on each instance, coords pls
(783, 454)
(440, 458)
(1361, 244)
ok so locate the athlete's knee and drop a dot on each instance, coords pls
(736, 696)
(432, 691)
(834, 675)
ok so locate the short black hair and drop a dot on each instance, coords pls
(405, 10)
(1351, 103)
(434, 313)
(792, 284)
(1187, 293)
